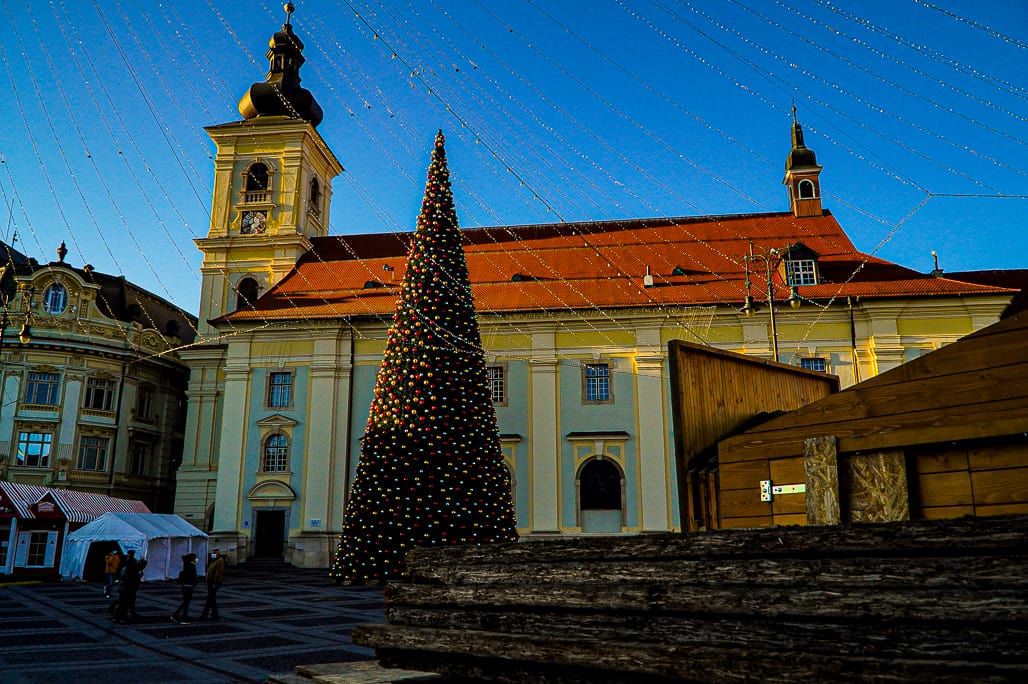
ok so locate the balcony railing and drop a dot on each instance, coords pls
(39, 407)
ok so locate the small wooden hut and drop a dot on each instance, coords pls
(717, 393)
(945, 435)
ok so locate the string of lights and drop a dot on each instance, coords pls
(451, 93)
(881, 54)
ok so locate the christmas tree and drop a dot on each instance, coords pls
(431, 469)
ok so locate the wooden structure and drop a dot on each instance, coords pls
(715, 393)
(940, 436)
(940, 601)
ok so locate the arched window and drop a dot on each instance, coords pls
(276, 454)
(247, 291)
(806, 189)
(600, 496)
(257, 177)
(315, 196)
(256, 183)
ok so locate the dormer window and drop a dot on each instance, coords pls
(55, 299)
(256, 182)
(801, 272)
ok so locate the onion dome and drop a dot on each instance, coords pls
(801, 156)
(280, 94)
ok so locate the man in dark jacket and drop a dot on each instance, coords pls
(125, 608)
(129, 565)
(215, 574)
(187, 581)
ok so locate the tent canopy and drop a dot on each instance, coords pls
(161, 538)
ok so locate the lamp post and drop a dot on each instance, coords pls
(772, 259)
(8, 289)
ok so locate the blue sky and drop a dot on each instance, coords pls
(554, 111)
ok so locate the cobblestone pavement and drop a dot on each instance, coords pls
(273, 618)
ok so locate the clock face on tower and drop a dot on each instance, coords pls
(253, 222)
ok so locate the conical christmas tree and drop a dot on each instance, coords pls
(431, 469)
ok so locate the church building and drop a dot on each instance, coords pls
(575, 320)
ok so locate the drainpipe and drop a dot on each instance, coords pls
(349, 420)
(853, 341)
(117, 428)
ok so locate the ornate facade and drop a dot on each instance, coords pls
(93, 400)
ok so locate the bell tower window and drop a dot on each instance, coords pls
(246, 293)
(806, 189)
(315, 197)
(255, 185)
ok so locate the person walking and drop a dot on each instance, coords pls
(129, 564)
(125, 608)
(187, 581)
(215, 575)
(112, 563)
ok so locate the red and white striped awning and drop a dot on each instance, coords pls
(79, 507)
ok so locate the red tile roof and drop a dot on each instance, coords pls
(599, 265)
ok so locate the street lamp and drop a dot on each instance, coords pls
(772, 260)
(8, 289)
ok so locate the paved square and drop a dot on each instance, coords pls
(273, 618)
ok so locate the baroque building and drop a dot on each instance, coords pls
(575, 321)
(93, 398)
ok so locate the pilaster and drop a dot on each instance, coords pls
(652, 449)
(544, 450)
(232, 450)
(325, 467)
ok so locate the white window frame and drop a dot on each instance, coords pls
(811, 363)
(496, 377)
(26, 441)
(55, 299)
(806, 183)
(39, 382)
(597, 387)
(272, 398)
(801, 272)
(275, 455)
(30, 538)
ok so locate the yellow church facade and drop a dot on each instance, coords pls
(575, 322)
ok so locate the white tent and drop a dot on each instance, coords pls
(161, 538)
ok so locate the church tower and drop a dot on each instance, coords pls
(801, 176)
(272, 186)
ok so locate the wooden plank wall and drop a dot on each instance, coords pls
(714, 392)
(959, 415)
(941, 601)
(981, 480)
(740, 504)
(973, 389)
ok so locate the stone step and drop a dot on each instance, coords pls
(362, 672)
